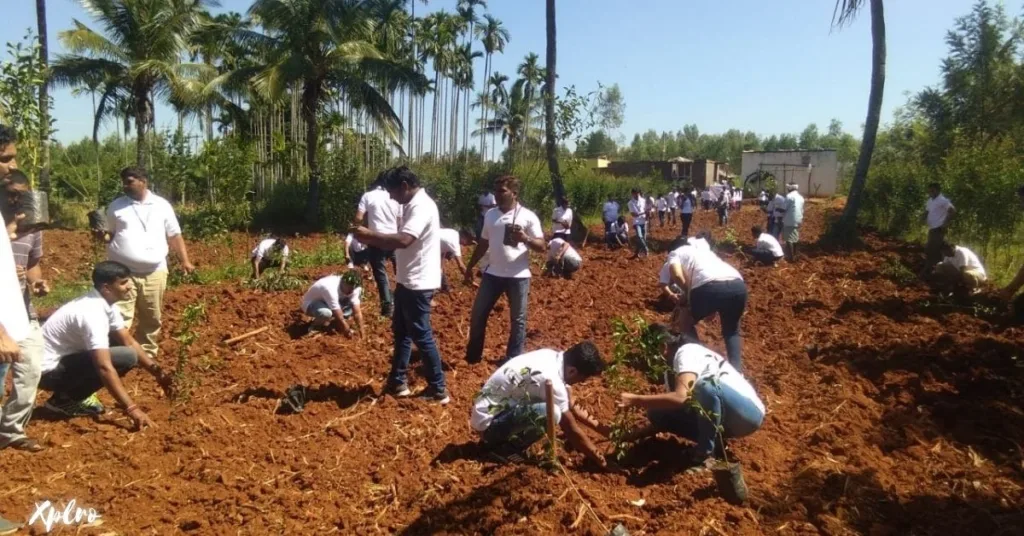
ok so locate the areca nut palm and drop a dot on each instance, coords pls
(138, 53)
(494, 37)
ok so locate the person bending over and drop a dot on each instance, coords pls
(356, 253)
(510, 411)
(78, 359)
(767, 249)
(563, 259)
(960, 271)
(704, 398)
(336, 298)
(451, 250)
(268, 253)
(618, 234)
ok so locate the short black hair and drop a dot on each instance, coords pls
(679, 242)
(585, 357)
(671, 338)
(108, 272)
(379, 181)
(7, 136)
(16, 176)
(134, 173)
(394, 178)
(756, 230)
(946, 246)
(279, 243)
(935, 185)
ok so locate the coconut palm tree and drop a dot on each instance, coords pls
(845, 12)
(321, 45)
(549, 103)
(140, 52)
(512, 118)
(494, 37)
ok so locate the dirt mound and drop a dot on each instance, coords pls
(888, 413)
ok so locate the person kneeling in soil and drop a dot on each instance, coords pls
(706, 398)
(563, 259)
(78, 359)
(337, 298)
(451, 249)
(269, 252)
(618, 234)
(767, 249)
(510, 413)
(356, 253)
(960, 271)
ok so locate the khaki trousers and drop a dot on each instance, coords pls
(143, 309)
(18, 409)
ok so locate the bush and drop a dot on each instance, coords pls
(70, 214)
(207, 221)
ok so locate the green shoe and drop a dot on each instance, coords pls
(75, 408)
(8, 527)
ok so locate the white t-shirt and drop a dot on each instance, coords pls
(355, 246)
(938, 210)
(381, 211)
(140, 230)
(328, 290)
(521, 381)
(672, 200)
(555, 245)
(686, 203)
(777, 204)
(616, 228)
(485, 202)
(705, 363)
(965, 258)
(702, 266)
(450, 242)
(81, 325)
(638, 208)
(562, 219)
(13, 315)
(794, 209)
(419, 265)
(767, 242)
(699, 243)
(264, 247)
(610, 211)
(662, 204)
(507, 261)
(706, 195)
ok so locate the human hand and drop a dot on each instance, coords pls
(626, 400)
(467, 278)
(359, 231)
(519, 234)
(187, 267)
(140, 420)
(41, 288)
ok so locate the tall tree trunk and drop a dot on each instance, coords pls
(310, 100)
(412, 130)
(141, 123)
(44, 98)
(483, 111)
(549, 105)
(846, 227)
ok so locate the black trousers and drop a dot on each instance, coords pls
(76, 377)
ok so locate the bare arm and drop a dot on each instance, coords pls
(256, 267)
(481, 248)
(340, 323)
(124, 337)
(384, 241)
(561, 252)
(357, 313)
(672, 400)
(177, 244)
(460, 264)
(677, 274)
(575, 437)
(10, 352)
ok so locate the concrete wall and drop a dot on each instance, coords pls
(791, 166)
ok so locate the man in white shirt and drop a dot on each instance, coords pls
(767, 249)
(417, 246)
(356, 253)
(269, 252)
(78, 359)
(336, 298)
(561, 220)
(381, 215)
(510, 232)
(451, 249)
(618, 234)
(776, 211)
(671, 203)
(960, 271)
(484, 203)
(662, 205)
(729, 405)
(712, 286)
(563, 259)
(639, 209)
(510, 413)
(687, 204)
(609, 213)
(938, 211)
(792, 220)
(142, 228)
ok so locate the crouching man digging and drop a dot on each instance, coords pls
(510, 412)
(335, 298)
(78, 359)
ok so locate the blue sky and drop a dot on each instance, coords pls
(770, 67)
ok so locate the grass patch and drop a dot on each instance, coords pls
(60, 294)
(327, 253)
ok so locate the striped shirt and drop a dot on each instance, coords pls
(28, 251)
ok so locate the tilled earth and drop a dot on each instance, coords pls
(889, 412)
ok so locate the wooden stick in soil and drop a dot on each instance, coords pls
(244, 336)
(549, 392)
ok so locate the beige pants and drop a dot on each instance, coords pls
(18, 409)
(143, 309)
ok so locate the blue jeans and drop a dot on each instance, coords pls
(729, 300)
(491, 288)
(736, 414)
(518, 427)
(641, 237)
(322, 314)
(378, 258)
(410, 323)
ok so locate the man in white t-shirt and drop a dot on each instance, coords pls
(356, 253)
(776, 212)
(78, 359)
(451, 250)
(561, 220)
(712, 286)
(563, 259)
(638, 208)
(618, 234)
(336, 298)
(609, 213)
(510, 412)
(960, 271)
(662, 205)
(510, 232)
(767, 249)
(687, 204)
(792, 220)
(671, 204)
(381, 216)
(729, 404)
(142, 228)
(268, 253)
(417, 246)
(938, 211)
(484, 202)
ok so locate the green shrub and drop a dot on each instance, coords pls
(70, 214)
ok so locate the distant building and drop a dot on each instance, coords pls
(700, 172)
(815, 171)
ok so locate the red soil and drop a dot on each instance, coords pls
(887, 414)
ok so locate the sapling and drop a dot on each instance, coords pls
(193, 314)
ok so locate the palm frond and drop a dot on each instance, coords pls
(846, 12)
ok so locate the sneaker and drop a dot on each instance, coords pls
(74, 408)
(433, 395)
(94, 402)
(398, 391)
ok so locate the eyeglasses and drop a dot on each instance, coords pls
(7, 158)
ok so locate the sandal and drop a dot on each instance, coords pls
(26, 444)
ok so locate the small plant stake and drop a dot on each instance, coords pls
(549, 392)
(244, 336)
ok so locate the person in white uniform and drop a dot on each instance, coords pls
(356, 253)
(268, 253)
(451, 250)
(960, 271)
(561, 220)
(639, 209)
(484, 202)
(767, 249)
(938, 212)
(381, 216)
(336, 298)
(563, 259)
